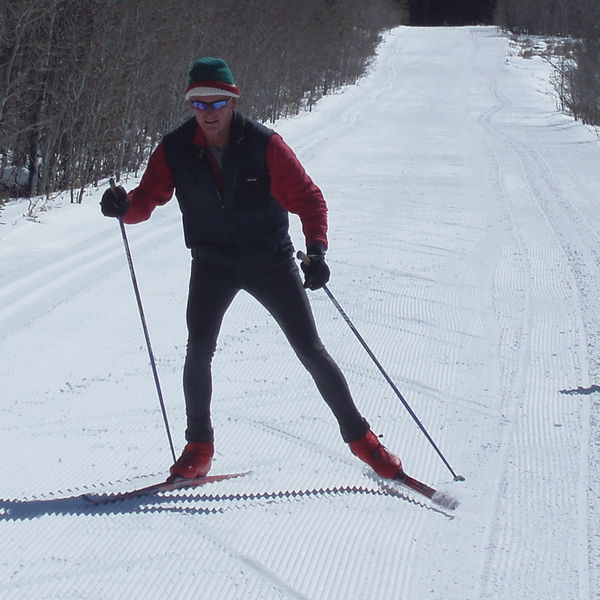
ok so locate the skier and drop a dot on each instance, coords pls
(236, 181)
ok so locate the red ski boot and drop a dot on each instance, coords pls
(370, 450)
(194, 461)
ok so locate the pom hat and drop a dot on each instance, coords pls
(211, 77)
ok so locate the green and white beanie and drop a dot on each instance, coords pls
(211, 77)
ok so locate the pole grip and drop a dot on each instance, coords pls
(302, 257)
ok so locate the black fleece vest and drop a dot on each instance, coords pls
(243, 224)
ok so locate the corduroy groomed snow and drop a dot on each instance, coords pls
(211, 77)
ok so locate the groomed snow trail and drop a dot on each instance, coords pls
(464, 223)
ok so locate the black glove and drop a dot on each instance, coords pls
(114, 202)
(316, 272)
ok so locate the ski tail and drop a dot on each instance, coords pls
(157, 488)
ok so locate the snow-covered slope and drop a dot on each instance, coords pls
(464, 222)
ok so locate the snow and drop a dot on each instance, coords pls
(464, 222)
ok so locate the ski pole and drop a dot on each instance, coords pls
(306, 260)
(144, 327)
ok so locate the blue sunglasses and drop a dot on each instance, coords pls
(218, 105)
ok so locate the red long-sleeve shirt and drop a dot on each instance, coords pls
(290, 185)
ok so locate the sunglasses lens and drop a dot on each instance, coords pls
(218, 105)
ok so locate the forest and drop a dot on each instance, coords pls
(575, 25)
(88, 86)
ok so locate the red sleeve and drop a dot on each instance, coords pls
(156, 188)
(296, 191)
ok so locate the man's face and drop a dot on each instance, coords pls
(212, 115)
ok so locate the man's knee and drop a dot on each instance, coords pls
(313, 356)
(200, 350)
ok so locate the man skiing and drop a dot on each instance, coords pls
(236, 181)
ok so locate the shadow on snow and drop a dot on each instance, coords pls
(184, 503)
(582, 391)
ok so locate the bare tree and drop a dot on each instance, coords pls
(577, 80)
(88, 86)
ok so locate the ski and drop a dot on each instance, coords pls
(157, 488)
(440, 498)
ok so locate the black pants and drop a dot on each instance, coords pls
(279, 289)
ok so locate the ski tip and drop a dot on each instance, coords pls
(445, 500)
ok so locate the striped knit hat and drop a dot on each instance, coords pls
(211, 77)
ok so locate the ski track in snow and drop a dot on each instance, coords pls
(465, 248)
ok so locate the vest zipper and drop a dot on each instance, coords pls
(220, 197)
